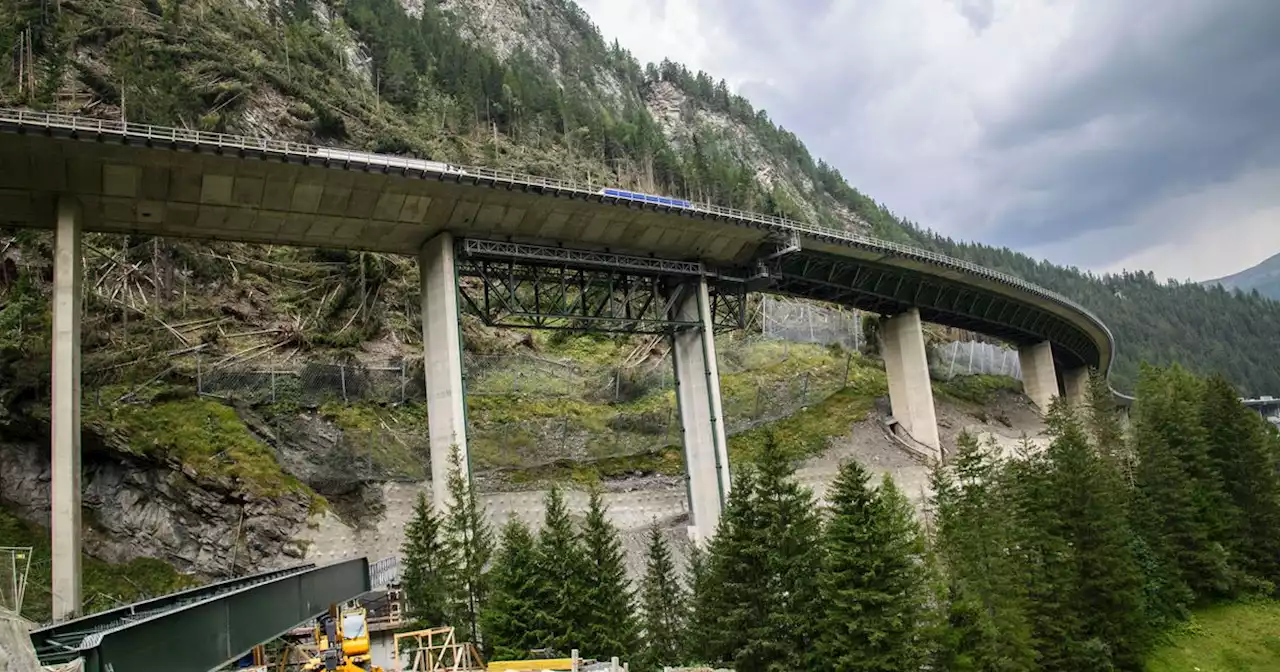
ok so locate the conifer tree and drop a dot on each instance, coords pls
(701, 620)
(607, 603)
(986, 608)
(512, 620)
(1179, 496)
(1100, 619)
(1104, 428)
(1244, 450)
(469, 538)
(427, 568)
(561, 567)
(793, 534)
(662, 607)
(762, 571)
(732, 600)
(873, 582)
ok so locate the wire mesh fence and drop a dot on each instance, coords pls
(968, 358)
(806, 322)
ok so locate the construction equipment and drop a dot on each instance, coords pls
(342, 637)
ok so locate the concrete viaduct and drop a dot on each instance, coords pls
(590, 257)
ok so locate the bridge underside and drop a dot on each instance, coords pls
(890, 290)
(530, 252)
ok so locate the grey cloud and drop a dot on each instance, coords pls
(1201, 90)
(980, 13)
(946, 112)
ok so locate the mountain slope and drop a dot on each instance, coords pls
(1264, 277)
(531, 85)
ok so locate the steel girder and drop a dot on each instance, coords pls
(889, 290)
(531, 286)
(203, 628)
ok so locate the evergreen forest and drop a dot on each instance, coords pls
(1079, 556)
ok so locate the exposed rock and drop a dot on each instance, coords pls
(137, 509)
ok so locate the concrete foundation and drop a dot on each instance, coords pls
(64, 521)
(1039, 378)
(701, 415)
(442, 359)
(1075, 385)
(910, 390)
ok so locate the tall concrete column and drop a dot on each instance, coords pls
(907, 365)
(442, 358)
(1039, 378)
(64, 520)
(706, 451)
(1075, 385)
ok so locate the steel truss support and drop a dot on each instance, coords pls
(530, 286)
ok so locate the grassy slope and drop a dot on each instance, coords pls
(105, 585)
(1228, 638)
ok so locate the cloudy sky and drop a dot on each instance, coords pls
(1105, 134)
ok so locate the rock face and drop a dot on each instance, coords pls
(135, 509)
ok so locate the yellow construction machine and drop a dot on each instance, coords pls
(342, 640)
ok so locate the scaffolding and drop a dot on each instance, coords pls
(435, 650)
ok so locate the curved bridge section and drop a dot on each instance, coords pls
(134, 178)
(543, 253)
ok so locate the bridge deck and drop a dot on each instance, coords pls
(133, 178)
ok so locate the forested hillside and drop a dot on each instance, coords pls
(532, 86)
(1078, 557)
(1264, 278)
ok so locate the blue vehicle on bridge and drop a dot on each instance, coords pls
(647, 198)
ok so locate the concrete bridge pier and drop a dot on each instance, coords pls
(1075, 385)
(64, 411)
(1039, 377)
(910, 390)
(706, 451)
(442, 359)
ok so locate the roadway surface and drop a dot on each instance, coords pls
(131, 178)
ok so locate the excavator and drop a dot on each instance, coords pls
(342, 637)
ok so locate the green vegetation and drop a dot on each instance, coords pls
(1074, 558)
(1226, 638)
(367, 430)
(105, 585)
(977, 389)
(664, 607)
(205, 436)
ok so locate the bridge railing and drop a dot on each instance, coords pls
(175, 135)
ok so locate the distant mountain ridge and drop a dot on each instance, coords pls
(1265, 277)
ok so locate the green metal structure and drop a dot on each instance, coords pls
(204, 628)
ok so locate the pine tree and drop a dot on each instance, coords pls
(607, 602)
(427, 569)
(662, 607)
(469, 538)
(873, 582)
(512, 619)
(561, 567)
